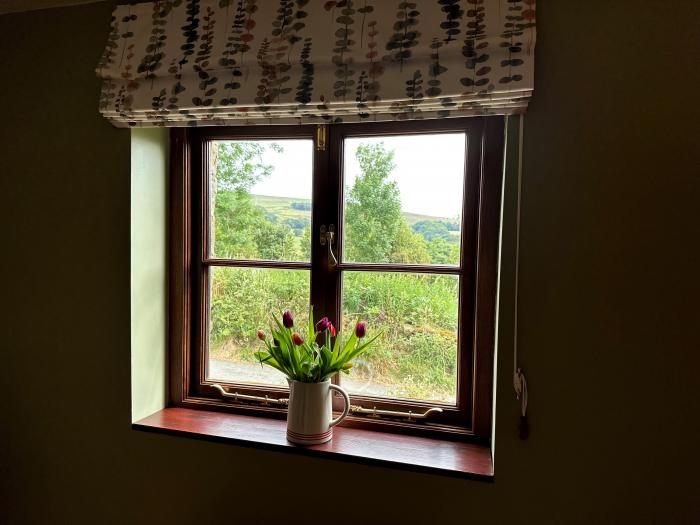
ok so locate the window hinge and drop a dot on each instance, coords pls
(264, 400)
(378, 414)
(321, 137)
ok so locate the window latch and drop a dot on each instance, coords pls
(327, 239)
(321, 137)
(378, 414)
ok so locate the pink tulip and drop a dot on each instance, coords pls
(360, 329)
(323, 325)
(287, 319)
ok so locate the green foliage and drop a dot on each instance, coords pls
(408, 247)
(297, 225)
(235, 223)
(453, 226)
(306, 360)
(305, 243)
(442, 240)
(443, 252)
(377, 230)
(373, 207)
(276, 242)
(432, 229)
(417, 313)
(242, 228)
(242, 298)
(239, 165)
(304, 206)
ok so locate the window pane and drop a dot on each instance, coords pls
(416, 357)
(260, 195)
(241, 302)
(403, 199)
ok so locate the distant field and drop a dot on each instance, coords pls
(282, 207)
(413, 218)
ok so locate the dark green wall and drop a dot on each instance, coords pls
(609, 310)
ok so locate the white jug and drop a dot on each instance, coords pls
(309, 419)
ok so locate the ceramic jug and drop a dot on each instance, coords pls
(310, 415)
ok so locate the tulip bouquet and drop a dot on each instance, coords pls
(305, 360)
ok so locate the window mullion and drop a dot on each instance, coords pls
(321, 216)
(334, 211)
(333, 207)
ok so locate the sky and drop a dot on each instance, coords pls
(429, 171)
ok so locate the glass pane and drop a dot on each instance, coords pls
(260, 195)
(403, 199)
(416, 357)
(241, 302)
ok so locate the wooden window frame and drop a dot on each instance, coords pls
(471, 419)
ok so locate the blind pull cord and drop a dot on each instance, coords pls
(519, 381)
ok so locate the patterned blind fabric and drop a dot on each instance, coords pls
(224, 62)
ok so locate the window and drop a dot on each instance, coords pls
(414, 209)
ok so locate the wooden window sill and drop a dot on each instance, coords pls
(466, 460)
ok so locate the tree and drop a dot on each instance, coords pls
(377, 231)
(409, 247)
(276, 242)
(236, 168)
(236, 219)
(305, 243)
(239, 165)
(241, 228)
(373, 209)
(443, 252)
(431, 229)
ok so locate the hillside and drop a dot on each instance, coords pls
(282, 208)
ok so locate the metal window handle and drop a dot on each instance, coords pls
(255, 399)
(327, 239)
(408, 416)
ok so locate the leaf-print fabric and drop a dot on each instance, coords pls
(233, 62)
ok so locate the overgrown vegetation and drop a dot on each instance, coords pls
(416, 356)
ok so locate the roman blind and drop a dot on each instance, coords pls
(233, 62)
